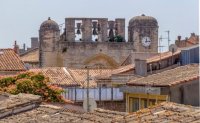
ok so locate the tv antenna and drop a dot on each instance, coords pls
(168, 38)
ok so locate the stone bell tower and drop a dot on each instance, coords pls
(49, 35)
(143, 32)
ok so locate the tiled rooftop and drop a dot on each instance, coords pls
(11, 104)
(169, 77)
(31, 56)
(166, 112)
(10, 61)
(55, 114)
(58, 75)
(162, 56)
(193, 39)
(120, 70)
(131, 67)
(20, 109)
(80, 75)
(71, 77)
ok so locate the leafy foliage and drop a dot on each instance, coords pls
(117, 38)
(32, 83)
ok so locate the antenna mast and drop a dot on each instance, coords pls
(168, 38)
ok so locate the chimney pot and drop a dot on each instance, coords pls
(192, 34)
(179, 38)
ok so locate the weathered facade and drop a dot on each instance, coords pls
(175, 85)
(187, 42)
(96, 42)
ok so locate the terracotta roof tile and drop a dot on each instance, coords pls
(164, 112)
(170, 77)
(120, 70)
(10, 61)
(162, 56)
(57, 75)
(30, 56)
(71, 77)
(193, 39)
(126, 68)
(80, 75)
(62, 114)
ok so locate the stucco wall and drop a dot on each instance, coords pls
(186, 93)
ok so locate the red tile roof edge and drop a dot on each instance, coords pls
(18, 57)
(167, 85)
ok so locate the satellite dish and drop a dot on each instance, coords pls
(173, 48)
(92, 104)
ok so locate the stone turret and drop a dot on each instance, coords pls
(140, 27)
(49, 35)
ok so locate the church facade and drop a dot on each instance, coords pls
(96, 42)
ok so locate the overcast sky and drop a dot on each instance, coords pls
(20, 19)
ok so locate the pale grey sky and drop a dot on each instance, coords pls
(20, 19)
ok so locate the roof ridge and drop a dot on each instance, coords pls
(28, 51)
(67, 71)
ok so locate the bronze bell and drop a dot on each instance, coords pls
(94, 32)
(111, 33)
(78, 28)
(78, 32)
(116, 29)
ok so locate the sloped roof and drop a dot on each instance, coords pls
(31, 56)
(130, 67)
(55, 114)
(120, 70)
(71, 77)
(163, 112)
(194, 39)
(162, 56)
(57, 75)
(167, 112)
(169, 77)
(80, 75)
(10, 61)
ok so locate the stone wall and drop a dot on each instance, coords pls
(109, 54)
(64, 51)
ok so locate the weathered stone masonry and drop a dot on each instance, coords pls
(96, 46)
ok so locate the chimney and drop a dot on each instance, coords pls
(24, 47)
(179, 38)
(192, 34)
(34, 42)
(141, 67)
(16, 48)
